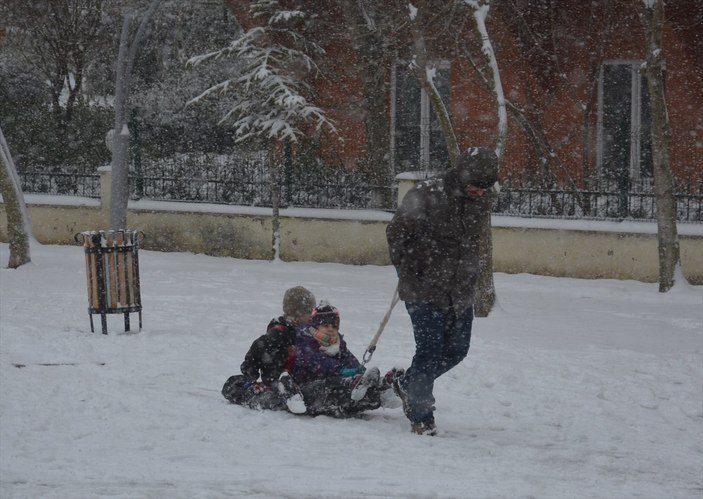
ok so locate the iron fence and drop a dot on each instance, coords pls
(246, 180)
(60, 183)
(603, 199)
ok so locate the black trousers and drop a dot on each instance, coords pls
(332, 397)
(237, 390)
(328, 396)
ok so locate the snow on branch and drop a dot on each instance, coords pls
(268, 95)
(480, 12)
(285, 16)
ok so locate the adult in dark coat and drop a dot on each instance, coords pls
(433, 241)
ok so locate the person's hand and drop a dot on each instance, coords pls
(348, 372)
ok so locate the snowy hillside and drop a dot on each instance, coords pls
(572, 388)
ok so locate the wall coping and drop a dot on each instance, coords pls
(416, 175)
(625, 226)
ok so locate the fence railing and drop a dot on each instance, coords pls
(598, 202)
(214, 182)
(247, 181)
(59, 183)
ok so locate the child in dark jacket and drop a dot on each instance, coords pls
(261, 384)
(331, 379)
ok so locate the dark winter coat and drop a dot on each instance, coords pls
(268, 356)
(312, 364)
(433, 241)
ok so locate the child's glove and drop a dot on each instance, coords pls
(256, 387)
(348, 372)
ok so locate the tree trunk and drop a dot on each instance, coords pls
(669, 256)
(18, 227)
(120, 149)
(374, 62)
(119, 193)
(420, 70)
(275, 175)
(485, 288)
(377, 126)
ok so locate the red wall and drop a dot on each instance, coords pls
(528, 83)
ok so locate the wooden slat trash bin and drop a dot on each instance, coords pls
(112, 270)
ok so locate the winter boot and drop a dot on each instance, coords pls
(235, 388)
(402, 394)
(424, 427)
(389, 399)
(290, 391)
(370, 378)
(390, 377)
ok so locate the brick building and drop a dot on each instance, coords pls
(578, 106)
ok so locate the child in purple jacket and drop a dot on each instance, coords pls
(332, 380)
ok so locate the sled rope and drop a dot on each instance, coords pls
(372, 346)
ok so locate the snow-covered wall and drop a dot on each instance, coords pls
(574, 248)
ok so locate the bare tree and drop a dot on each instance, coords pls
(57, 40)
(549, 36)
(373, 34)
(125, 62)
(424, 70)
(652, 15)
(18, 225)
(480, 12)
(486, 292)
(59, 37)
(421, 33)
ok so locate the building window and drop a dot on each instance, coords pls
(416, 140)
(624, 123)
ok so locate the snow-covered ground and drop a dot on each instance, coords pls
(572, 388)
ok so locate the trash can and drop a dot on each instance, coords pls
(112, 271)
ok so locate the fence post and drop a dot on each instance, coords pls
(287, 173)
(407, 181)
(623, 185)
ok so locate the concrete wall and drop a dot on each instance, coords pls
(590, 254)
(573, 248)
(626, 250)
